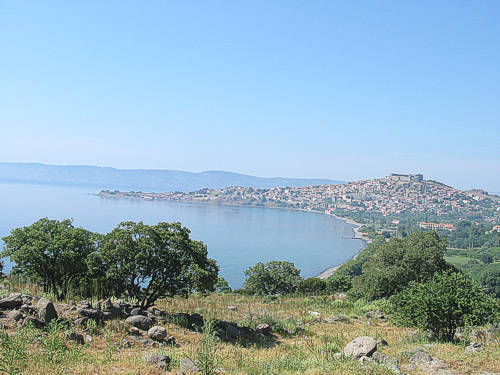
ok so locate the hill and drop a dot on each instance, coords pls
(142, 179)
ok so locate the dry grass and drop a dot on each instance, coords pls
(307, 351)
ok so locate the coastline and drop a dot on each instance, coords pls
(322, 275)
(357, 235)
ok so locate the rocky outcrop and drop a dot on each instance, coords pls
(13, 301)
(140, 321)
(360, 347)
(46, 310)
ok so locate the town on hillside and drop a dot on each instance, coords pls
(395, 195)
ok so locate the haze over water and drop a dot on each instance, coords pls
(237, 237)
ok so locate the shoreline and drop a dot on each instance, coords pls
(322, 275)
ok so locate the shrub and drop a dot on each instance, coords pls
(276, 277)
(312, 286)
(448, 301)
(338, 282)
(222, 286)
(398, 262)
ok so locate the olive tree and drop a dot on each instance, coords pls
(50, 252)
(147, 262)
(448, 301)
(276, 277)
(398, 262)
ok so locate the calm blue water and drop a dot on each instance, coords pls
(237, 237)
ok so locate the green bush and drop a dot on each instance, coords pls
(398, 262)
(312, 286)
(275, 277)
(338, 282)
(448, 301)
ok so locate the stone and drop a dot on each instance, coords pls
(426, 363)
(76, 337)
(139, 321)
(106, 305)
(81, 321)
(145, 342)
(88, 338)
(84, 304)
(160, 361)
(474, 347)
(93, 314)
(137, 311)
(170, 340)
(157, 333)
(361, 346)
(13, 301)
(187, 365)
(111, 314)
(314, 313)
(135, 331)
(15, 315)
(335, 319)
(263, 328)
(381, 343)
(46, 310)
(232, 332)
(232, 308)
(196, 320)
(33, 321)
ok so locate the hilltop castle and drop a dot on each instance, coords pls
(405, 177)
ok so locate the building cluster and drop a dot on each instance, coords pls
(394, 194)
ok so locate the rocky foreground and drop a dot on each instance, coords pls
(160, 340)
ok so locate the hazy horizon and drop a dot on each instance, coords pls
(328, 89)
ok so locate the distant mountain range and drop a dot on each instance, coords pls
(142, 179)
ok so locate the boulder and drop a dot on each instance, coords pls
(81, 321)
(76, 337)
(15, 315)
(46, 310)
(139, 321)
(91, 314)
(335, 319)
(106, 305)
(137, 311)
(13, 301)
(196, 320)
(160, 361)
(263, 328)
(157, 333)
(426, 363)
(232, 332)
(474, 347)
(84, 304)
(361, 346)
(29, 320)
(232, 308)
(188, 366)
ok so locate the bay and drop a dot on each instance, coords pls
(237, 237)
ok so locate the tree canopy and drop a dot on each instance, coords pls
(148, 262)
(51, 252)
(398, 262)
(276, 277)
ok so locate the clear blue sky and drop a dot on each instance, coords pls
(344, 90)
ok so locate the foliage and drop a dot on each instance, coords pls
(448, 301)
(208, 355)
(52, 252)
(222, 286)
(150, 262)
(312, 286)
(14, 350)
(490, 280)
(338, 282)
(398, 262)
(275, 277)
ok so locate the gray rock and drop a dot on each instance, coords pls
(232, 332)
(84, 304)
(30, 320)
(188, 366)
(13, 301)
(474, 347)
(46, 310)
(137, 311)
(88, 338)
(361, 346)
(81, 321)
(15, 315)
(106, 305)
(76, 337)
(314, 313)
(139, 321)
(160, 361)
(196, 320)
(336, 319)
(263, 328)
(232, 308)
(145, 342)
(426, 363)
(157, 333)
(93, 314)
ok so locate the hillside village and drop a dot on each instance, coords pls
(394, 195)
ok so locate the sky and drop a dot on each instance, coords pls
(345, 90)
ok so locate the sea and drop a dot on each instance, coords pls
(237, 237)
